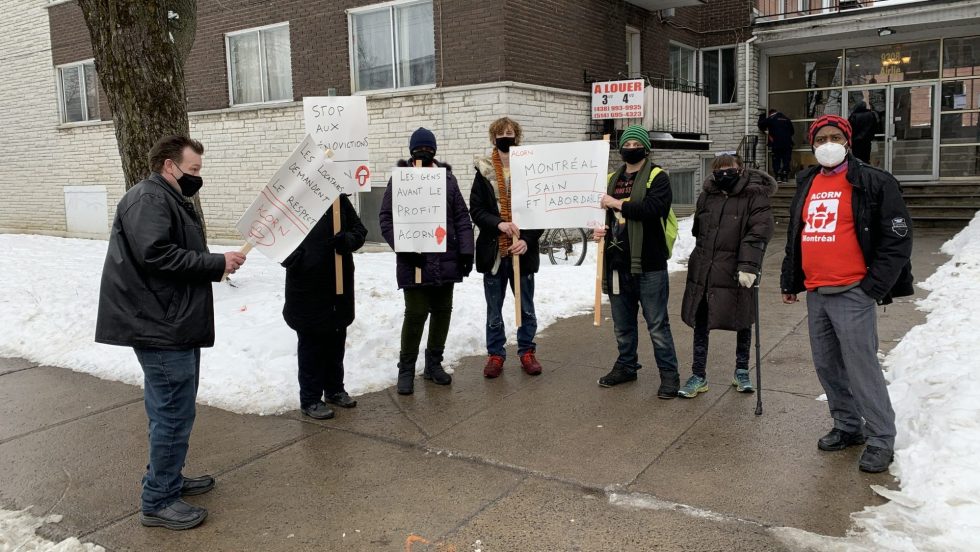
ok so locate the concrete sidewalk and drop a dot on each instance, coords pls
(513, 464)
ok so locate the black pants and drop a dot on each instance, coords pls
(321, 364)
(862, 150)
(781, 158)
(743, 342)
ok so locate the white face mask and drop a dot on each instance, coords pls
(831, 154)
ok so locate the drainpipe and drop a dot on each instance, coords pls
(748, 66)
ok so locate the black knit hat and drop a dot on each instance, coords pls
(422, 137)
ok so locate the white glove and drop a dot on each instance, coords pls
(746, 279)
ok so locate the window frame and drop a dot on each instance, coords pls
(263, 66)
(701, 80)
(696, 72)
(390, 7)
(634, 52)
(62, 108)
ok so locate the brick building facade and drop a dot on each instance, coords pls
(524, 58)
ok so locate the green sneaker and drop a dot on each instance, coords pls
(741, 382)
(693, 386)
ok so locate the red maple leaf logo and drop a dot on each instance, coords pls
(440, 234)
(822, 208)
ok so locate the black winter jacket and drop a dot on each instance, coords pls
(485, 212)
(312, 302)
(156, 281)
(863, 122)
(780, 130)
(883, 226)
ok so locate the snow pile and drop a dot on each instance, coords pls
(934, 375)
(17, 529)
(50, 298)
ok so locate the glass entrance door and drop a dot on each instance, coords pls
(911, 132)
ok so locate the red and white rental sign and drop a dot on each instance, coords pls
(617, 99)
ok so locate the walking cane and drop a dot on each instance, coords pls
(758, 352)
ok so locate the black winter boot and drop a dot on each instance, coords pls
(433, 368)
(406, 378)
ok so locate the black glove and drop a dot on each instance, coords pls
(465, 264)
(344, 243)
(412, 259)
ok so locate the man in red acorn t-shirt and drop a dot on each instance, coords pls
(849, 245)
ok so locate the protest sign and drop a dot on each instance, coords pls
(293, 201)
(340, 124)
(618, 99)
(418, 208)
(559, 185)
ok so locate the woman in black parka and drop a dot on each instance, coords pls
(318, 315)
(732, 225)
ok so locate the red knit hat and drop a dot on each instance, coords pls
(830, 120)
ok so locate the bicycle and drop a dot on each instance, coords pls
(566, 246)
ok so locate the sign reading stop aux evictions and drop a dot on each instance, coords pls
(340, 124)
(418, 205)
(292, 202)
(617, 99)
(559, 185)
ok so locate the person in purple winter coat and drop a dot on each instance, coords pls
(433, 298)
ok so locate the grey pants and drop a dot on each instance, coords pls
(844, 342)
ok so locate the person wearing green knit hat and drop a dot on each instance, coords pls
(637, 203)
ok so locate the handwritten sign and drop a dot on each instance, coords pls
(293, 201)
(559, 185)
(418, 205)
(340, 124)
(617, 99)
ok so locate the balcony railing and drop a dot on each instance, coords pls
(776, 10)
(672, 106)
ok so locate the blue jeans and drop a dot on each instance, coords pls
(170, 380)
(649, 291)
(494, 289)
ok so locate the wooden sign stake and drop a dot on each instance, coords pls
(244, 251)
(418, 270)
(517, 285)
(600, 255)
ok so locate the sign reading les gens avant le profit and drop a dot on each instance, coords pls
(418, 204)
(617, 99)
(340, 124)
(292, 202)
(559, 185)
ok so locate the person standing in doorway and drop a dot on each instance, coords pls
(432, 298)
(499, 243)
(849, 247)
(637, 203)
(780, 130)
(864, 124)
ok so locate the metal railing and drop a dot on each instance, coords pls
(671, 105)
(776, 10)
(747, 150)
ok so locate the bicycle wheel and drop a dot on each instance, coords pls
(566, 246)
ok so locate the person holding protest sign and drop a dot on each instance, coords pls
(317, 313)
(432, 296)
(637, 206)
(732, 226)
(499, 241)
(156, 297)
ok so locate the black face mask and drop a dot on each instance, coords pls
(632, 156)
(189, 184)
(504, 143)
(426, 157)
(726, 179)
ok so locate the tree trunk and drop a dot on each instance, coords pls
(140, 47)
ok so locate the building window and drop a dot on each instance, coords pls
(682, 187)
(719, 68)
(78, 92)
(259, 65)
(683, 64)
(632, 52)
(392, 46)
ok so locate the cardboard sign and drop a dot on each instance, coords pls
(340, 124)
(559, 185)
(618, 99)
(293, 201)
(418, 209)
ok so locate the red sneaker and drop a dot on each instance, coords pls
(494, 367)
(530, 364)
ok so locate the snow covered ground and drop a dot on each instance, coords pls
(934, 383)
(50, 296)
(17, 529)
